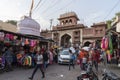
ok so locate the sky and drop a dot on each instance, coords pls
(88, 11)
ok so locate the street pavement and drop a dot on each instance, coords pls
(53, 72)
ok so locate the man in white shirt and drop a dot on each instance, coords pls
(39, 64)
(72, 58)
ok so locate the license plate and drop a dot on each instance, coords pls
(86, 79)
(66, 61)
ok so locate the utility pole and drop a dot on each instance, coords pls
(51, 20)
(31, 8)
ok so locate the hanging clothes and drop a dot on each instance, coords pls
(30, 60)
(27, 61)
(26, 41)
(109, 57)
(19, 56)
(2, 62)
(2, 36)
(110, 44)
(104, 43)
(32, 43)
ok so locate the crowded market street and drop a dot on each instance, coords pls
(60, 40)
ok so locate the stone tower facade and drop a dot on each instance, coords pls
(69, 31)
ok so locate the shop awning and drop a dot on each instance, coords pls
(23, 35)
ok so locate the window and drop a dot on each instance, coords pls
(76, 33)
(54, 34)
(66, 22)
(96, 31)
(62, 22)
(101, 31)
(70, 21)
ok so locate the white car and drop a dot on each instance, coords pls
(64, 57)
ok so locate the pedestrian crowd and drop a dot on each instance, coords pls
(41, 58)
(92, 55)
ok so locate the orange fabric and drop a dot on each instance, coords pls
(19, 56)
(81, 55)
(26, 41)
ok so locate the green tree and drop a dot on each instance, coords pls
(113, 19)
(12, 22)
(117, 14)
(109, 24)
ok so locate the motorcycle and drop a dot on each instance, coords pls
(88, 74)
(108, 75)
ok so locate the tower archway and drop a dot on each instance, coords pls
(65, 40)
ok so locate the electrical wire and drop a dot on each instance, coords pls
(43, 2)
(112, 9)
(61, 8)
(37, 5)
(56, 3)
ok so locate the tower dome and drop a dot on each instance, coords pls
(28, 26)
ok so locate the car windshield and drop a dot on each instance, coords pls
(65, 53)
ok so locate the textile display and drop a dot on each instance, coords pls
(110, 44)
(27, 61)
(19, 56)
(2, 36)
(32, 43)
(104, 43)
(2, 62)
(26, 41)
(108, 55)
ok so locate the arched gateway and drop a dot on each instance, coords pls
(69, 30)
(65, 40)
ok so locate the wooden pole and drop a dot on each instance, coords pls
(31, 8)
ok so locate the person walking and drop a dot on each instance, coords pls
(81, 58)
(50, 56)
(72, 58)
(39, 64)
(55, 52)
(45, 58)
(8, 58)
(95, 58)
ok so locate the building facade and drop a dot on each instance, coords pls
(115, 30)
(69, 31)
(8, 27)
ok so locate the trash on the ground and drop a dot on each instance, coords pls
(61, 75)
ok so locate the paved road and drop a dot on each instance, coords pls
(53, 72)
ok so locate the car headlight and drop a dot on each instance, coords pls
(60, 57)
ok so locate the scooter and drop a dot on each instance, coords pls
(108, 75)
(88, 74)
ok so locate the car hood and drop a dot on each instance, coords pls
(65, 56)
